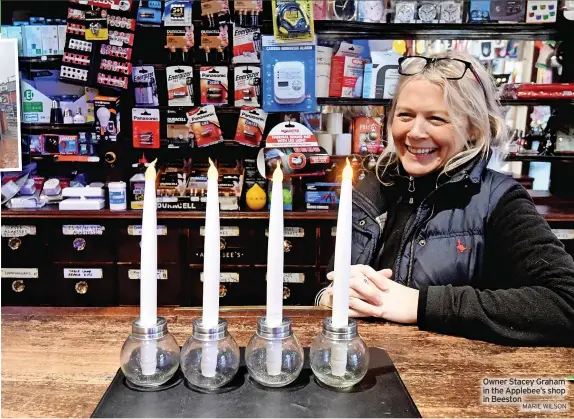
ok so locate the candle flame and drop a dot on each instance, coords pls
(150, 172)
(278, 173)
(348, 171)
(212, 172)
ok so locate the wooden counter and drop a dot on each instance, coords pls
(57, 362)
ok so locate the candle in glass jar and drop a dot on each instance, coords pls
(275, 252)
(148, 281)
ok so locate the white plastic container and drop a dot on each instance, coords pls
(118, 200)
(343, 144)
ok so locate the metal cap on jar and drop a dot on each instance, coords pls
(209, 334)
(274, 332)
(155, 331)
(339, 333)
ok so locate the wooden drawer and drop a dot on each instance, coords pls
(85, 284)
(299, 285)
(83, 242)
(235, 238)
(168, 284)
(169, 241)
(27, 286)
(22, 245)
(299, 243)
(328, 238)
(238, 287)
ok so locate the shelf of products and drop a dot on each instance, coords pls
(33, 128)
(567, 158)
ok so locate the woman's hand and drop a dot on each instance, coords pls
(381, 298)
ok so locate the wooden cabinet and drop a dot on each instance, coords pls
(27, 286)
(23, 245)
(299, 245)
(83, 242)
(168, 284)
(85, 284)
(238, 286)
(170, 240)
(235, 243)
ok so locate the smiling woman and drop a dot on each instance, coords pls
(443, 242)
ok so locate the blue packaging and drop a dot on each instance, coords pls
(322, 195)
(149, 13)
(288, 76)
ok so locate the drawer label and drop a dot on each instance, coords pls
(290, 232)
(19, 273)
(333, 231)
(292, 278)
(225, 277)
(225, 231)
(83, 273)
(225, 254)
(136, 274)
(563, 234)
(136, 230)
(82, 230)
(18, 231)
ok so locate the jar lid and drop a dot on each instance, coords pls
(209, 333)
(280, 331)
(120, 184)
(339, 333)
(149, 332)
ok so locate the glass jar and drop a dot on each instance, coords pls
(339, 357)
(210, 357)
(150, 355)
(274, 356)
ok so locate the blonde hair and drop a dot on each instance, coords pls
(467, 105)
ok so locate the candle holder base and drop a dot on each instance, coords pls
(339, 357)
(210, 357)
(172, 382)
(150, 355)
(274, 356)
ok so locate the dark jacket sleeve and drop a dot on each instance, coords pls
(533, 301)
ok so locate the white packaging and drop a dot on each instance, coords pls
(246, 49)
(14, 32)
(118, 200)
(32, 41)
(326, 141)
(381, 76)
(49, 40)
(61, 39)
(180, 85)
(247, 86)
(343, 144)
(323, 71)
(335, 123)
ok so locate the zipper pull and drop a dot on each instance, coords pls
(411, 188)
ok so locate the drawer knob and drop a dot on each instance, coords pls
(18, 285)
(287, 245)
(286, 293)
(222, 291)
(82, 287)
(222, 244)
(79, 244)
(14, 243)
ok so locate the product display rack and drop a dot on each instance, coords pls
(308, 254)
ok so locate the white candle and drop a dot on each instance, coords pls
(343, 251)
(148, 281)
(211, 251)
(148, 277)
(211, 268)
(275, 253)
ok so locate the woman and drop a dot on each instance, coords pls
(443, 242)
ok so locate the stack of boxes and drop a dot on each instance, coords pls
(37, 40)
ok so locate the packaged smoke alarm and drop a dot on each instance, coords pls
(247, 86)
(179, 85)
(145, 124)
(246, 45)
(177, 129)
(145, 86)
(204, 126)
(213, 85)
(251, 126)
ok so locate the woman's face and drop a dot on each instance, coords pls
(424, 135)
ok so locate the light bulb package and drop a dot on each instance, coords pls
(213, 85)
(107, 112)
(246, 45)
(179, 85)
(247, 86)
(250, 127)
(177, 13)
(145, 128)
(145, 86)
(204, 125)
(293, 20)
(288, 76)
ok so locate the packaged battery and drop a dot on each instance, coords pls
(213, 85)
(247, 86)
(180, 85)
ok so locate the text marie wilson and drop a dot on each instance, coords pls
(523, 382)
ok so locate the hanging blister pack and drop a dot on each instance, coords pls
(214, 85)
(293, 20)
(179, 85)
(96, 24)
(177, 129)
(145, 86)
(214, 13)
(177, 13)
(247, 12)
(247, 86)
(149, 12)
(204, 126)
(246, 45)
(215, 44)
(250, 127)
(145, 126)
